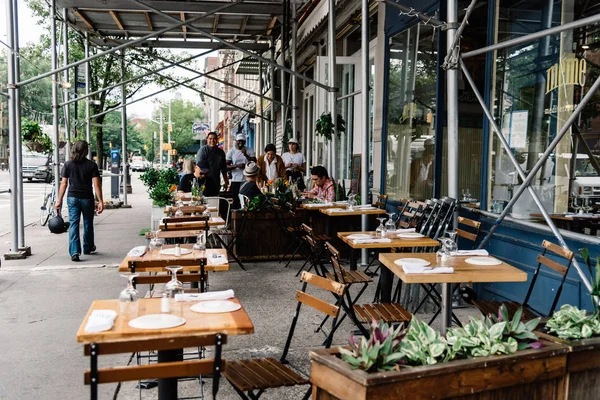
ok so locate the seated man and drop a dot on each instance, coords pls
(323, 189)
(199, 178)
(250, 188)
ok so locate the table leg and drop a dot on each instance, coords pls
(446, 306)
(167, 388)
(352, 259)
(386, 281)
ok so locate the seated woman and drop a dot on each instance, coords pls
(271, 165)
(250, 188)
(200, 178)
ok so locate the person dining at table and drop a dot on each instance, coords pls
(295, 164)
(199, 178)
(324, 188)
(271, 165)
(250, 188)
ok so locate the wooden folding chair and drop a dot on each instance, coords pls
(316, 246)
(468, 229)
(229, 232)
(250, 378)
(293, 231)
(198, 281)
(491, 307)
(162, 370)
(381, 201)
(408, 217)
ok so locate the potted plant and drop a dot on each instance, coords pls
(580, 331)
(33, 137)
(325, 126)
(491, 358)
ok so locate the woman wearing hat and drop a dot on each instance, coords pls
(295, 164)
(250, 188)
(236, 159)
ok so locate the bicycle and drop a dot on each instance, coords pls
(47, 208)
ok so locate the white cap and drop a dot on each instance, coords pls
(292, 140)
(240, 136)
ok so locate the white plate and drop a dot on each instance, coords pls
(411, 262)
(483, 261)
(410, 235)
(360, 236)
(171, 251)
(156, 321)
(215, 306)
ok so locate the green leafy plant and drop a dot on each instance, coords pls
(572, 323)
(515, 327)
(161, 194)
(422, 345)
(325, 126)
(259, 203)
(170, 176)
(33, 137)
(380, 352)
(150, 178)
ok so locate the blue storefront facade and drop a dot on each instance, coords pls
(531, 89)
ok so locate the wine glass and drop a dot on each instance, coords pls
(129, 297)
(351, 202)
(174, 286)
(200, 243)
(380, 231)
(155, 227)
(464, 194)
(451, 244)
(467, 194)
(157, 243)
(390, 225)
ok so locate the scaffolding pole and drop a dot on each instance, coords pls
(19, 146)
(67, 108)
(179, 24)
(88, 126)
(12, 128)
(55, 126)
(259, 139)
(124, 129)
(294, 79)
(331, 52)
(234, 46)
(272, 69)
(365, 115)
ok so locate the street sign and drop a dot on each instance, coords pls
(173, 152)
(166, 146)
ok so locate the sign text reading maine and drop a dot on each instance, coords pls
(570, 71)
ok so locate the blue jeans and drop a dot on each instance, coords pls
(78, 207)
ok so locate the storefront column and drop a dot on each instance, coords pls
(124, 158)
(294, 79)
(365, 97)
(331, 52)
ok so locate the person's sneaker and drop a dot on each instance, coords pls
(75, 257)
(92, 251)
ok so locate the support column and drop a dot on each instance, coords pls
(452, 117)
(282, 76)
(88, 123)
(124, 130)
(19, 147)
(258, 144)
(331, 52)
(272, 74)
(294, 79)
(365, 114)
(12, 133)
(55, 127)
(66, 109)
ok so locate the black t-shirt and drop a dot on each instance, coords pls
(186, 182)
(250, 189)
(214, 157)
(80, 178)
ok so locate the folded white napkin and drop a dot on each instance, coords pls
(478, 252)
(427, 270)
(137, 251)
(221, 295)
(337, 209)
(217, 220)
(318, 204)
(403, 230)
(362, 241)
(219, 260)
(365, 206)
(100, 321)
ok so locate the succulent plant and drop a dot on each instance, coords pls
(572, 323)
(479, 338)
(515, 327)
(422, 345)
(380, 352)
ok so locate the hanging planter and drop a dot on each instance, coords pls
(325, 126)
(33, 137)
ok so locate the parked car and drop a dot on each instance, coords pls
(138, 163)
(37, 166)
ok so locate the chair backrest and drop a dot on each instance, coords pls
(322, 306)
(182, 224)
(201, 277)
(402, 204)
(444, 217)
(244, 200)
(563, 270)
(468, 229)
(307, 229)
(381, 201)
(338, 270)
(407, 219)
(176, 369)
(223, 207)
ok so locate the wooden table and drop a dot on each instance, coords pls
(214, 221)
(195, 209)
(396, 243)
(318, 206)
(233, 323)
(463, 272)
(357, 211)
(156, 262)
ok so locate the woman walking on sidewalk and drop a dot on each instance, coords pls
(78, 174)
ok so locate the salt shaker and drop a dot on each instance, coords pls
(165, 305)
(177, 250)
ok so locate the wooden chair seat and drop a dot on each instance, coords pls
(350, 277)
(261, 374)
(321, 237)
(387, 312)
(488, 307)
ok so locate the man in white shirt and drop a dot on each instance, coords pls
(295, 164)
(236, 159)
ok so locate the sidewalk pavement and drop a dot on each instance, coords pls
(116, 232)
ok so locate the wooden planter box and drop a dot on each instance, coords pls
(262, 238)
(528, 374)
(583, 367)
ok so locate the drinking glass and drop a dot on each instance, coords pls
(156, 243)
(390, 225)
(451, 244)
(155, 227)
(129, 297)
(200, 243)
(464, 194)
(174, 286)
(179, 212)
(468, 194)
(380, 231)
(575, 202)
(351, 202)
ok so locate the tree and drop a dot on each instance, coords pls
(106, 71)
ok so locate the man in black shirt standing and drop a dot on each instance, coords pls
(214, 157)
(78, 174)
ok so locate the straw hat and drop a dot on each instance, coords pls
(251, 169)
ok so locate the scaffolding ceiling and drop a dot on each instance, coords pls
(249, 21)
